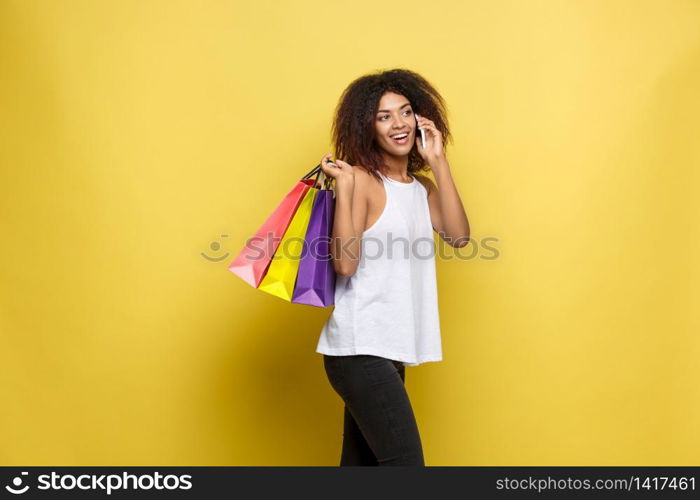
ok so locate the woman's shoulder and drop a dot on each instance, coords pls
(368, 187)
(364, 180)
(364, 173)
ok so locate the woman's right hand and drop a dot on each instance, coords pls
(343, 174)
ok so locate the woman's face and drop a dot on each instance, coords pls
(395, 117)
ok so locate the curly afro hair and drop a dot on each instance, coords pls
(353, 124)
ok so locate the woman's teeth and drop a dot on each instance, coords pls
(401, 138)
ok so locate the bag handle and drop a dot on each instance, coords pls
(328, 182)
(321, 180)
(313, 171)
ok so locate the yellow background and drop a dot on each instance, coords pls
(134, 134)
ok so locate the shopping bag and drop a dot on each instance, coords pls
(253, 260)
(315, 283)
(282, 272)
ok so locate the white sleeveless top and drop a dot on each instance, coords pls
(389, 307)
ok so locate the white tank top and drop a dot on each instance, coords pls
(389, 307)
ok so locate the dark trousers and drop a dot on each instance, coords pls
(379, 427)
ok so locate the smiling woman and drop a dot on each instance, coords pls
(358, 127)
(386, 309)
(383, 126)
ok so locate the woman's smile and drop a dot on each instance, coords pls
(396, 123)
(401, 138)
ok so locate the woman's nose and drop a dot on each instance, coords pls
(400, 124)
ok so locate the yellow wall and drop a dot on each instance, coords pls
(134, 134)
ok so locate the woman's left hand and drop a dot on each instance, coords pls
(433, 151)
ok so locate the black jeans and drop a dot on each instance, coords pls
(379, 427)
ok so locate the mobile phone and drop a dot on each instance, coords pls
(422, 134)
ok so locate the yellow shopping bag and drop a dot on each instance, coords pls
(282, 273)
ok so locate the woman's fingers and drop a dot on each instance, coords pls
(423, 120)
(433, 130)
(328, 169)
(341, 167)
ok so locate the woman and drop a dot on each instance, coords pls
(386, 309)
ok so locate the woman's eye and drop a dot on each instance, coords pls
(407, 112)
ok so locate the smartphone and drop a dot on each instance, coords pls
(422, 134)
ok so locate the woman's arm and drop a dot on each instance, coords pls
(453, 222)
(447, 213)
(446, 210)
(349, 218)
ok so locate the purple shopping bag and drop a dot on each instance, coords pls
(315, 281)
